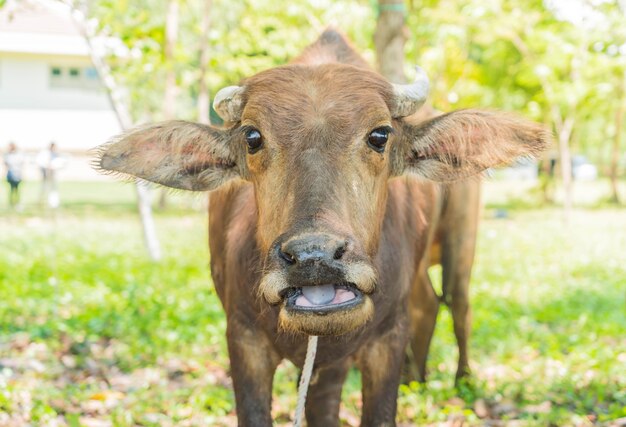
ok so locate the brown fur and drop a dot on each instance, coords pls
(331, 48)
(316, 176)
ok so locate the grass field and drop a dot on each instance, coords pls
(94, 334)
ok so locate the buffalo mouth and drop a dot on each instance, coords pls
(325, 310)
(322, 299)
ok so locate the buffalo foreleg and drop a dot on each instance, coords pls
(380, 363)
(253, 362)
(324, 395)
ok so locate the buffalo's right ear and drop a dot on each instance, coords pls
(177, 154)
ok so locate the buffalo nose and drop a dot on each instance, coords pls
(311, 249)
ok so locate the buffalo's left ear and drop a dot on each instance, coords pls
(177, 154)
(464, 143)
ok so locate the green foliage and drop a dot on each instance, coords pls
(527, 56)
(245, 37)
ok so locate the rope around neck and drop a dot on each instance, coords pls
(305, 379)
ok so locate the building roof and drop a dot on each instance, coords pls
(39, 26)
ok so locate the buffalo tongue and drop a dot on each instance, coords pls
(319, 295)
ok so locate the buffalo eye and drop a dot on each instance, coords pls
(254, 140)
(377, 139)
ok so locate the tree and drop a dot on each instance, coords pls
(171, 88)
(617, 137)
(389, 39)
(613, 48)
(171, 39)
(249, 37)
(125, 121)
(204, 111)
(533, 57)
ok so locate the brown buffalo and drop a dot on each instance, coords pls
(325, 217)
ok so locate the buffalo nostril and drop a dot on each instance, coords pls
(287, 257)
(341, 250)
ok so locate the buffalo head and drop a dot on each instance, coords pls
(319, 143)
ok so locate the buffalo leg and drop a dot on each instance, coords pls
(424, 309)
(457, 256)
(253, 363)
(458, 301)
(324, 396)
(380, 363)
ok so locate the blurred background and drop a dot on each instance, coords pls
(107, 312)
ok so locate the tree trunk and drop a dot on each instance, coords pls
(171, 89)
(615, 151)
(565, 157)
(144, 196)
(389, 40)
(204, 110)
(204, 99)
(125, 120)
(171, 38)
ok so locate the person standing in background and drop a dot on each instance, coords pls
(49, 162)
(14, 162)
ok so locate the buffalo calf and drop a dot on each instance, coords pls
(331, 197)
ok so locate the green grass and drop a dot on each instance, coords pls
(90, 329)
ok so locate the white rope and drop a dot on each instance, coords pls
(305, 379)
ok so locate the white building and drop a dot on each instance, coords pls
(49, 90)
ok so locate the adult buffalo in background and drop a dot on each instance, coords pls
(324, 216)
